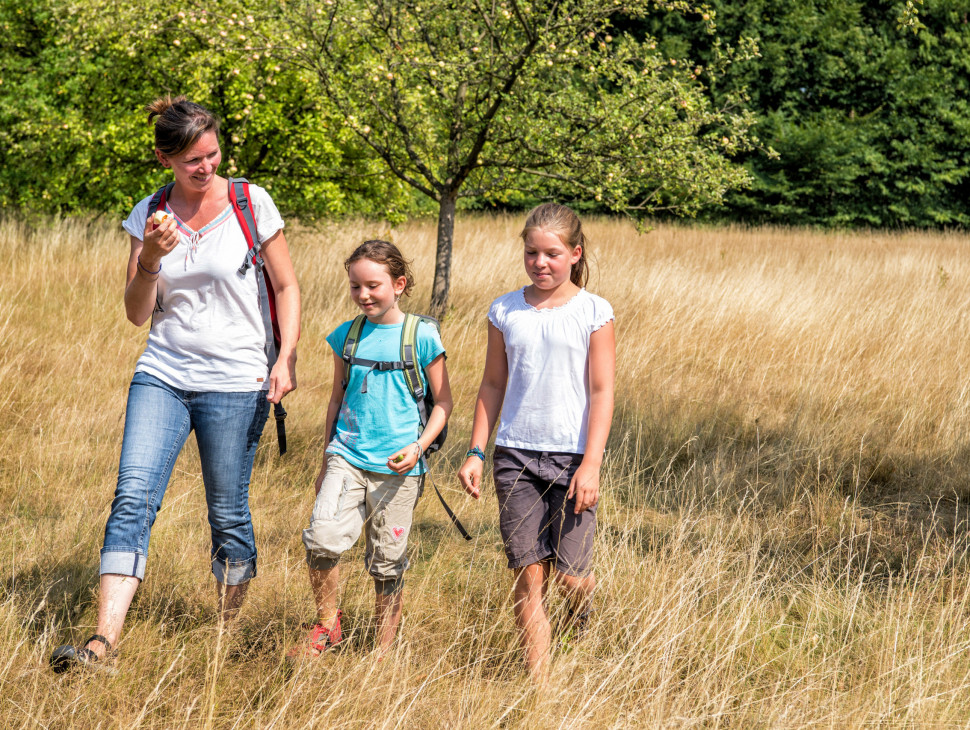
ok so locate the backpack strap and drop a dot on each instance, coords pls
(158, 201)
(239, 198)
(159, 198)
(416, 384)
(409, 346)
(349, 356)
(412, 368)
(351, 341)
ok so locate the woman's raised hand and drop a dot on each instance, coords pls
(158, 241)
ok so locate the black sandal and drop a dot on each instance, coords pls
(67, 656)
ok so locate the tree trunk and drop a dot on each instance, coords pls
(442, 260)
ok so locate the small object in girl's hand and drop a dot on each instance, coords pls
(397, 459)
(160, 217)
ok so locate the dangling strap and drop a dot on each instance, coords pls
(452, 515)
(279, 413)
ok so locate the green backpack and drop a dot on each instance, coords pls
(413, 373)
(414, 376)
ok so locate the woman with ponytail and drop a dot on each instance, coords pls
(549, 371)
(205, 367)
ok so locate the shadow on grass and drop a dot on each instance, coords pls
(866, 508)
(720, 458)
(52, 594)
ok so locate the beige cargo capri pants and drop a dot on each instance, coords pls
(350, 498)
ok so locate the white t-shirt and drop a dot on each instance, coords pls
(546, 406)
(209, 335)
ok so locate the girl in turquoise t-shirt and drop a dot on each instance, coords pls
(373, 472)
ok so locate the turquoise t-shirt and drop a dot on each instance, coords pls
(373, 425)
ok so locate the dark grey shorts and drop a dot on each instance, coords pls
(536, 520)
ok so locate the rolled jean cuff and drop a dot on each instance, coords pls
(123, 562)
(234, 574)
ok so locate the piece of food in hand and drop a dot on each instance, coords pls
(160, 217)
(398, 459)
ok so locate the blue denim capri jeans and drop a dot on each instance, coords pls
(158, 420)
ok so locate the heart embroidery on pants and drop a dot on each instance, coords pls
(398, 532)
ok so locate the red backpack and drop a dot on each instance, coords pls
(239, 197)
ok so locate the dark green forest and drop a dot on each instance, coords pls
(870, 122)
(830, 113)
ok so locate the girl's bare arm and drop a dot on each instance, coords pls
(488, 405)
(602, 375)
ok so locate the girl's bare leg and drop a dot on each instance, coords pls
(387, 611)
(531, 618)
(579, 591)
(325, 585)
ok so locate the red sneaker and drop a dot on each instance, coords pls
(320, 640)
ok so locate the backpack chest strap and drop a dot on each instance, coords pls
(407, 363)
(382, 365)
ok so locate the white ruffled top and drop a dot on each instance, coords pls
(546, 406)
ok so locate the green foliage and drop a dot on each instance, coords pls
(353, 106)
(370, 106)
(74, 79)
(870, 121)
(909, 16)
(491, 102)
(482, 101)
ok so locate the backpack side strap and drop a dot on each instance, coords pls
(239, 198)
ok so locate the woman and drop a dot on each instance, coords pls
(205, 367)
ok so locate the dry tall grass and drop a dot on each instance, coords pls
(783, 540)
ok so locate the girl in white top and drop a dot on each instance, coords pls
(549, 371)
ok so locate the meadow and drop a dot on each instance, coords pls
(783, 526)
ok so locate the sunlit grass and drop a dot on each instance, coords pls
(782, 534)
